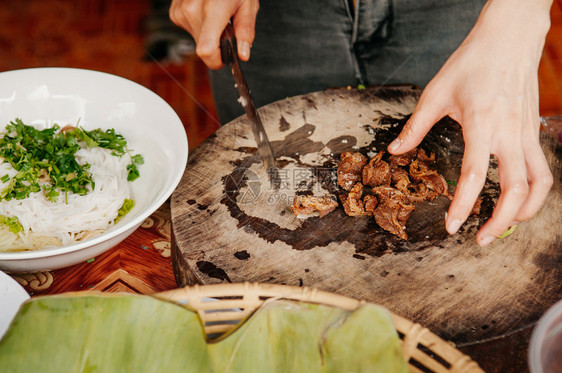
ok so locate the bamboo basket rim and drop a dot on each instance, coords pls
(222, 306)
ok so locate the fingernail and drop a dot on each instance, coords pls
(245, 50)
(395, 145)
(487, 240)
(454, 226)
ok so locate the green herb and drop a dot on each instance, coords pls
(133, 171)
(508, 232)
(49, 156)
(12, 223)
(109, 139)
(127, 206)
(90, 260)
(451, 182)
(5, 178)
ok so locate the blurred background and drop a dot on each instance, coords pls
(136, 40)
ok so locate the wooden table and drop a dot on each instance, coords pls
(142, 264)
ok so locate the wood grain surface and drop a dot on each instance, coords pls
(229, 224)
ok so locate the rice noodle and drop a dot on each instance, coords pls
(76, 217)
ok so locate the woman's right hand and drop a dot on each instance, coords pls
(205, 20)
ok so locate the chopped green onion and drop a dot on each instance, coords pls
(133, 171)
(12, 223)
(49, 155)
(508, 232)
(127, 206)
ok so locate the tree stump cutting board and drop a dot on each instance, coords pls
(231, 225)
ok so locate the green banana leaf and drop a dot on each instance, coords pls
(132, 333)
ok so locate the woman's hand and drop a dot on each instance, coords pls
(205, 20)
(489, 85)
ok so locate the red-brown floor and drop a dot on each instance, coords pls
(110, 36)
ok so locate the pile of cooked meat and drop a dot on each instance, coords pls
(383, 187)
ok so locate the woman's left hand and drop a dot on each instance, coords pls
(489, 85)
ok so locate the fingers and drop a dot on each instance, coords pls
(186, 14)
(244, 23)
(540, 181)
(215, 19)
(429, 110)
(206, 20)
(473, 176)
(525, 179)
(514, 191)
(524, 176)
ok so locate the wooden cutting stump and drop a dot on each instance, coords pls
(231, 225)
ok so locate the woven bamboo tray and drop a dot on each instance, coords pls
(223, 306)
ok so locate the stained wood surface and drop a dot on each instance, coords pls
(230, 224)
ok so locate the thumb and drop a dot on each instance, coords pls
(429, 110)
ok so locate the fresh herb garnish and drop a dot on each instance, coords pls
(109, 139)
(46, 159)
(451, 182)
(12, 223)
(508, 232)
(132, 167)
(127, 206)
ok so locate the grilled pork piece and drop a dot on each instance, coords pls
(422, 157)
(402, 159)
(350, 169)
(352, 203)
(306, 206)
(476, 207)
(376, 172)
(420, 172)
(401, 180)
(370, 203)
(396, 184)
(392, 214)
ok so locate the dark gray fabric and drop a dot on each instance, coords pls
(309, 45)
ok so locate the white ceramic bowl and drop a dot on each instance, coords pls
(12, 296)
(545, 348)
(44, 96)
